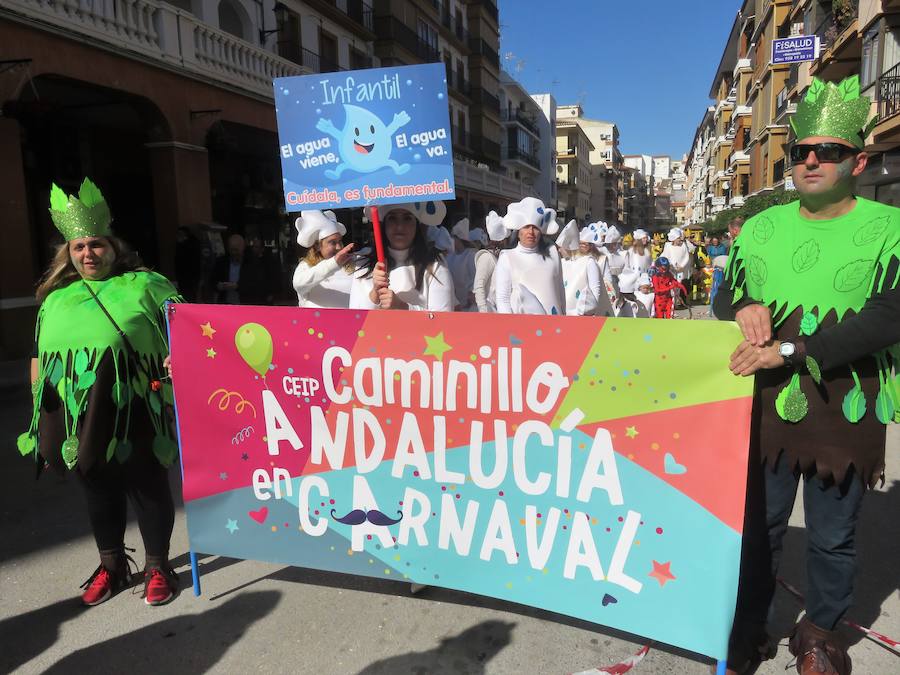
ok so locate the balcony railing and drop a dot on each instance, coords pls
(453, 23)
(481, 48)
(389, 28)
(491, 9)
(487, 99)
(361, 13)
(522, 118)
(158, 31)
(459, 83)
(889, 93)
(318, 63)
(521, 155)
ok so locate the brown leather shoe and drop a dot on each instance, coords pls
(819, 651)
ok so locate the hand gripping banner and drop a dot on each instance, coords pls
(591, 467)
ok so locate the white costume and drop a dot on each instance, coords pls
(582, 280)
(325, 284)
(680, 258)
(646, 299)
(485, 285)
(528, 282)
(462, 265)
(436, 294)
(437, 288)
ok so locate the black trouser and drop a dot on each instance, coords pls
(831, 512)
(143, 481)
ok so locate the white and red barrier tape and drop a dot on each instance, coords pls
(883, 640)
(621, 667)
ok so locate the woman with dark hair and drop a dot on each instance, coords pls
(322, 279)
(100, 395)
(415, 276)
(529, 277)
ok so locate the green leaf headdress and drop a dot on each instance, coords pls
(86, 215)
(835, 110)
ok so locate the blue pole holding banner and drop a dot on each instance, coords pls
(721, 667)
(195, 569)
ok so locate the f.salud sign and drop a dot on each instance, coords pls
(591, 467)
(795, 49)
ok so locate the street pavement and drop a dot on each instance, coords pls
(257, 617)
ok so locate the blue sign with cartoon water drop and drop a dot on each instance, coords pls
(374, 136)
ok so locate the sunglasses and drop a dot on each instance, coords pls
(826, 153)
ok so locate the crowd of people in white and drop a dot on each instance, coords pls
(512, 265)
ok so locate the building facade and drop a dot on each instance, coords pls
(573, 169)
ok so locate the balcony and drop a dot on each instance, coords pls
(459, 136)
(783, 106)
(318, 63)
(840, 32)
(470, 177)
(518, 154)
(523, 118)
(486, 99)
(459, 83)
(489, 149)
(887, 130)
(390, 29)
(157, 32)
(479, 47)
(359, 13)
(454, 25)
(491, 8)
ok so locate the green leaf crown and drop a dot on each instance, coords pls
(86, 215)
(835, 110)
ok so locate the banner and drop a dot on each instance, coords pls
(373, 136)
(592, 467)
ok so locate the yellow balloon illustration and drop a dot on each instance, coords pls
(254, 344)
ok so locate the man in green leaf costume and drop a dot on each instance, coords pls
(813, 286)
(101, 401)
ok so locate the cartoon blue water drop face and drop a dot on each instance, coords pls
(365, 143)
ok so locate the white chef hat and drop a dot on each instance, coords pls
(531, 211)
(640, 234)
(427, 213)
(440, 238)
(675, 233)
(461, 229)
(601, 227)
(643, 280)
(313, 226)
(612, 236)
(568, 238)
(496, 230)
(477, 235)
(591, 235)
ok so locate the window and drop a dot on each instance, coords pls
(869, 64)
(428, 35)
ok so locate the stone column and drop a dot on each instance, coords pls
(18, 272)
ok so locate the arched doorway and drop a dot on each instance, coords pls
(72, 129)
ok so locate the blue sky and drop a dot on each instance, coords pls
(646, 65)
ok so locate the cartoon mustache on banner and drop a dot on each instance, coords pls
(358, 517)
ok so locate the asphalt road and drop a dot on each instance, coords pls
(256, 617)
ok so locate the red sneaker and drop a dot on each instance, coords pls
(101, 586)
(159, 586)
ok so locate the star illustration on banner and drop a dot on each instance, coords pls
(662, 573)
(232, 525)
(436, 346)
(208, 330)
(631, 432)
(245, 456)
(223, 476)
(210, 353)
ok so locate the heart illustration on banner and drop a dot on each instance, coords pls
(608, 599)
(260, 515)
(674, 467)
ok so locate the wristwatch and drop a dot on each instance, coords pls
(787, 351)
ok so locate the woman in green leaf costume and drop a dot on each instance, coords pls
(814, 287)
(100, 396)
